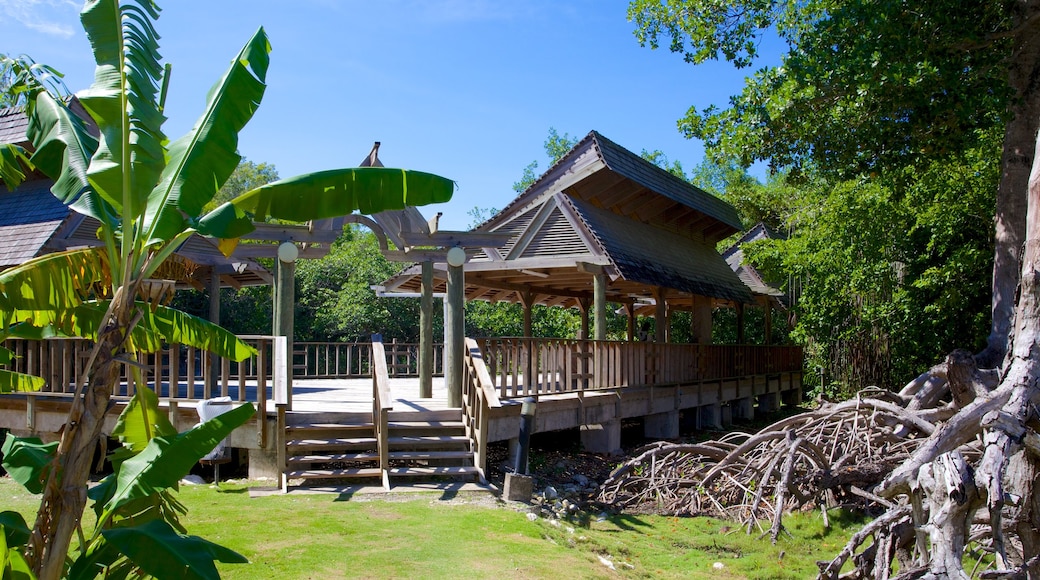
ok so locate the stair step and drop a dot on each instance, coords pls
(419, 425)
(367, 426)
(428, 441)
(432, 471)
(330, 457)
(419, 455)
(331, 473)
(333, 442)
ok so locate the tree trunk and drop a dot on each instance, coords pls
(65, 496)
(1019, 144)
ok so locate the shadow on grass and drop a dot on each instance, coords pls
(628, 523)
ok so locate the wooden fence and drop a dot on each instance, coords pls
(534, 366)
(176, 372)
(349, 360)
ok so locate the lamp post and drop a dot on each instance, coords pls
(454, 326)
(285, 300)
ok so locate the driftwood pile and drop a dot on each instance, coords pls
(877, 453)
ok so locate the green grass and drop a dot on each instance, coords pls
(421, 536)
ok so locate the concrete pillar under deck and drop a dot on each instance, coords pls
(602, 438)
(726, 415)
(743, 409)
(709, 416)
(661, 425)
(768, 403)
(791, 397)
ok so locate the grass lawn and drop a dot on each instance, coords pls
(423, 536)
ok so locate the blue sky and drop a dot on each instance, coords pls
(467, 89)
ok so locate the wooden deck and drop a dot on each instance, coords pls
(355, 395)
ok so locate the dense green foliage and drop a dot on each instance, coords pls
(884, 124)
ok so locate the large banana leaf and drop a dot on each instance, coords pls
(16, 531)
(123, 101)
(166, 460)
(160, 551)
(203, 159)
(327, 194)
(13, 565)
(141, 421)
(13, 165)
(13, 382)
(178, 327)
(27, 460)
(54, 282)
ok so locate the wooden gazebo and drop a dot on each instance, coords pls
(604, 225)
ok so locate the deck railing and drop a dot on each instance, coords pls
(176, 372)
(521, 367)
(478, 398)
(347, 360)
(382, 404)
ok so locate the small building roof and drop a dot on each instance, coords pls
(601, 206)
(33, 222)
(752, 278)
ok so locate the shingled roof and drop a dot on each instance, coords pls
(656, 257)
(34, 222)
(12, 125)
(601, 206)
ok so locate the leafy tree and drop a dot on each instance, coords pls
(335, 297)
(148, 195)
(867, 87)
(556, 146)
(246, 176)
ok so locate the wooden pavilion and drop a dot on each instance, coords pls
(605, 226)
(601, 226)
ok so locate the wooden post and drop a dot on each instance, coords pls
(631, 309)
(599, 304)
(527, 299)
(454, 331)
(286, 291)
(700, 320)
(767, 310)
(740, 323)
(583, 305)
(660, 316)
(214, 317)
(426, 332)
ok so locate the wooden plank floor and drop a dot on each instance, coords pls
(355, 395)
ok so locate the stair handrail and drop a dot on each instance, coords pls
(382, 404)
(478, 398)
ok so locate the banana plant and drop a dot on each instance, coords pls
(148, 195)
(138, 532)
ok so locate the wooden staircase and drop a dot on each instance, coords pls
(343, 451)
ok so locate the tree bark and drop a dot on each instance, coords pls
(65, 495)
(1019, 145)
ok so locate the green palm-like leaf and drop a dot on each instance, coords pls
(160, 551)
(12, 382)
(63, 148)
(27, 460)
(203, 159)
(166, 460)
(142, 420)
(327, 194)
(13, 565)
(13, 165)
(54, 282)
(178, 327)
(123, 101)
(15, 530)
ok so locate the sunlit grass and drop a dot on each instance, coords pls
(424, 536)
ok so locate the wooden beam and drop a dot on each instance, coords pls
(450, 239)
